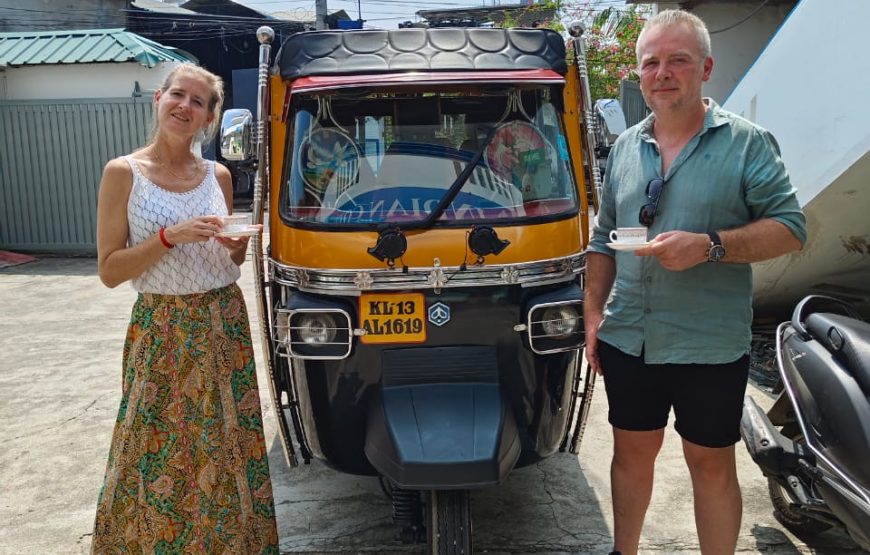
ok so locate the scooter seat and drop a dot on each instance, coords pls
(848, 339)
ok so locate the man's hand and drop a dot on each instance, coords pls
(591, 322)
(600, 273)
(677, 250)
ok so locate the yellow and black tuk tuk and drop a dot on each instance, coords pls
(421, 294)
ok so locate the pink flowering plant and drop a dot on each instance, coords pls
(610, 38)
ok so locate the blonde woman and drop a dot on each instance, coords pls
(187, 469)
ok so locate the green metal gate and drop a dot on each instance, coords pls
(51, 157)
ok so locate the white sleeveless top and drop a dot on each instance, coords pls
(189, 267)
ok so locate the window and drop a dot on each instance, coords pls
(369, 159)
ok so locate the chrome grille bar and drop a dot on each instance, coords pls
(355, 281)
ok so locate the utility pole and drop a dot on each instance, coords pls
(320, 14)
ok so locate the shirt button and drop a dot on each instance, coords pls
(649, 279)
(646, 311)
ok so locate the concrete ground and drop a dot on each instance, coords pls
(61, 334)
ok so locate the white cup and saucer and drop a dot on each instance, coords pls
(237, 225)
(628, 238)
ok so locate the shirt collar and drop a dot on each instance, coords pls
(713, 117)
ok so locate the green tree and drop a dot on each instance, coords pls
(610, 40)
(544, 14)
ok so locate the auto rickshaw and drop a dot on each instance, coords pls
(421, 296)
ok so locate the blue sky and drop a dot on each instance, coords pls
(377, 13)
(387, 14)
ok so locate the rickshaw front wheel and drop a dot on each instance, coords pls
(449, 522)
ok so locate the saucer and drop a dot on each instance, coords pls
(628, 246)
(247, 231)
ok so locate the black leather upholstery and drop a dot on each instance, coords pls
(400, 50)
(848, 339)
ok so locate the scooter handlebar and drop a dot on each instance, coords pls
(817, 303)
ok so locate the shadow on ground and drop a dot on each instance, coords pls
(543, 508)
(833, 542)
(46, 265)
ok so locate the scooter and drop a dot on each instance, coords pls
(814, 443)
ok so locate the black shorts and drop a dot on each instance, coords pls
(707, 398)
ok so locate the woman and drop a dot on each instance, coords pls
(187, 470)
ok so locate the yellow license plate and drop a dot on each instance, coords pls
(393, 318)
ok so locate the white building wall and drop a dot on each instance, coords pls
(66, 81)
(810, 87)
(734, 50)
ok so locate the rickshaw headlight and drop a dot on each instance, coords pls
(316, 328)
(559, 322)
(313, 333)
(556, 327)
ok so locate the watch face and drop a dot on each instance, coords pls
(717, 253)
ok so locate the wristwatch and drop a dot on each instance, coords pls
(716, 251)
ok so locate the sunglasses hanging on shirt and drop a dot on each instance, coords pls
(654, 192)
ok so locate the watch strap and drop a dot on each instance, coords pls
(714, 238)
(716, 251)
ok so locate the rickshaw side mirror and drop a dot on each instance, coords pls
(237, 142)
(611, 120)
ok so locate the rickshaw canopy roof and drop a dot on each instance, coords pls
(310, 84)
(325, 53)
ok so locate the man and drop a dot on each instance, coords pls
(715, 196)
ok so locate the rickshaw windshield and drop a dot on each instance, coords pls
(365, 159)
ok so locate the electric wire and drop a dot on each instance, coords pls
(742, 21)
(194, 24)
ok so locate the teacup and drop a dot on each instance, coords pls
(628, 235)
(236, 222)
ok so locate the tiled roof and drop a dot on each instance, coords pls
(79, 47)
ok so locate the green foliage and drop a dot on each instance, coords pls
(542, 15)
(610, 42)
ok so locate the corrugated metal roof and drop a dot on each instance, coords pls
(80, 47)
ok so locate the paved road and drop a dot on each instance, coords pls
(61, 336)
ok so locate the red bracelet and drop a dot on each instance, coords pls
(163, 239)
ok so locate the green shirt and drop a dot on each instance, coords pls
(728, 175)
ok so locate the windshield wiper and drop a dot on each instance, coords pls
(449, 196)
(392, 244)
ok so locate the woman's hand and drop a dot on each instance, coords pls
(196, 230)
(237, 245)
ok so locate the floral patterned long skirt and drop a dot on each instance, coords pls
(187, 470)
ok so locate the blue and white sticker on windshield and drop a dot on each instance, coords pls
(562, 146)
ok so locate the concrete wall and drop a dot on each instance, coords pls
(104, 80)
(810, 87)
(45, 15)
(735, 50)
